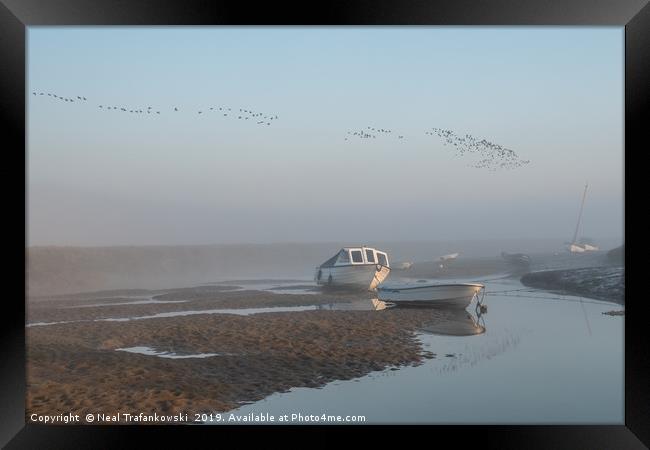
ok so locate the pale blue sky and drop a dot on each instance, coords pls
(552, 94)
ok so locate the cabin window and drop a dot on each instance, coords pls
(357, 256)
(383, 260)
(343, 257)
(370, 256)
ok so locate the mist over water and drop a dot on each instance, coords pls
(122, 198)
(60, 270)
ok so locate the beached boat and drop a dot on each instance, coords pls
(354, 268)
(449, 257)
(402, 265)
(451, 295)
(446, 259)
(582, 248)
(518, 259)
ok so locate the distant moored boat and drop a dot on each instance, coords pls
(575, 247)
(519, 259)
(449, 257)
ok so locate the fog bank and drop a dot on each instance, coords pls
(65, 270)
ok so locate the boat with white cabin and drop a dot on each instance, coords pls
(357, 268)
(449, 295)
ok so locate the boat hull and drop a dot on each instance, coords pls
(443, 295)
(518, 259)
(357, 277)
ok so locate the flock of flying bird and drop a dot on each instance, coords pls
(257, 117)
(365, 134)
(493, 156)
(60, 97)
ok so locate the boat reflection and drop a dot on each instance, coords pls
(457, 323)
(380, 304)
(454, 322)
(357, 305)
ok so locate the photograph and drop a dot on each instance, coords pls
(325, 225)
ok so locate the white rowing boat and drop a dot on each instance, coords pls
(451, 295)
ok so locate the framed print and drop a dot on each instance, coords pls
(362, 217)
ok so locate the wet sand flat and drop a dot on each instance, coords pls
(76, 366)
(80, 308)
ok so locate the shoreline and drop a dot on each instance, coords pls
(601, 283)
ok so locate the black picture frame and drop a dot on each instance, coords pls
(16, 15)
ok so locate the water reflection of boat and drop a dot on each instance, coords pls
(357, 305)
(379, 304)
(457, 323)
(453, 322)
(449, 295)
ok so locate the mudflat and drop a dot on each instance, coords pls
(603, 283)
(76, 366)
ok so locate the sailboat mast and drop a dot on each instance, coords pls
(584, 195)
